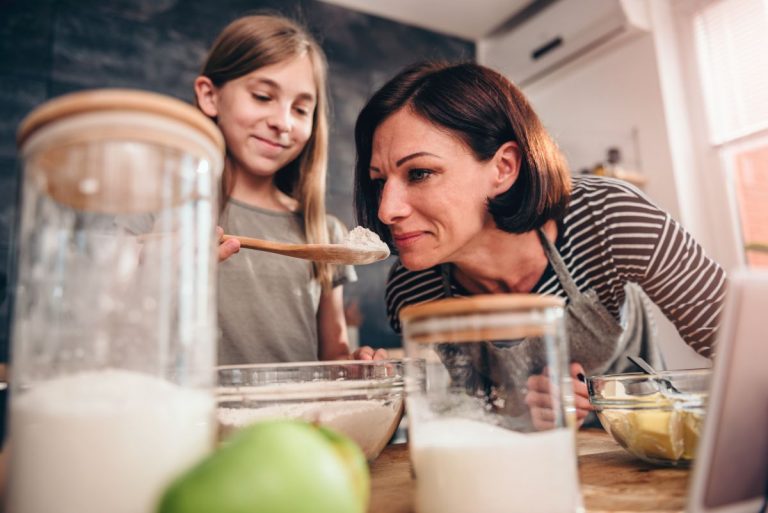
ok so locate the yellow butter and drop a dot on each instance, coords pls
(664, 433)
(692, 423)
(657, 434)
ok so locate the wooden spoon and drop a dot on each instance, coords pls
(328, 253)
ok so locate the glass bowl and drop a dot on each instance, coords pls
(361, 399)
(657, 418)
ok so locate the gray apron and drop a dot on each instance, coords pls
(596, 340)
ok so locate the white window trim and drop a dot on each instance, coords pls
(706, 195)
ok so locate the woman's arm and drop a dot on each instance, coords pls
(649, 247)
(687, 285)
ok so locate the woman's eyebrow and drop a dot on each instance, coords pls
(413, 156)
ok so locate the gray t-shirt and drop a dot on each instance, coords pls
(267, 303)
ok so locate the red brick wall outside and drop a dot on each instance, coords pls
(751, 180)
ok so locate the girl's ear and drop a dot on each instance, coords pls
(506, 166)
(207, 99)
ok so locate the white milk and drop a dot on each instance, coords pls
(103, 442)
(367, 422)
(466, 466)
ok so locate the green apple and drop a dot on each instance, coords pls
(276, 466)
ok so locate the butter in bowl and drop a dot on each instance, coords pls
(656, 417)
(360, 399)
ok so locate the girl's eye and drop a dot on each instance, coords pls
(418, 175)
(302, 111)
(261, 97)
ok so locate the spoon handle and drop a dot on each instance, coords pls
(646, 367)
(262, 245)
(328, 253)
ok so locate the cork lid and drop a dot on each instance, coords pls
(479, 304)
(120, 151)
(455, 319)
(101, 100)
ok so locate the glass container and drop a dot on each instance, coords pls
(114, 323)
(656, 417)
(490, 405)
(361, 399)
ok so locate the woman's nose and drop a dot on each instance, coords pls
(393, 203)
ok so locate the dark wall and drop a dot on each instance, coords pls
(52, 47)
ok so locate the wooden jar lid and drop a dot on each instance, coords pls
(428, 323)
(479, 304)
(120, 151)
(100, 100)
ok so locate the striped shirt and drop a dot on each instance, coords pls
(612, 234)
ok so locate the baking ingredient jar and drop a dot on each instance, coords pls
(114, 321)
(490, 405)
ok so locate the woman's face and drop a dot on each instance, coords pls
(433, 191)
(266, 116)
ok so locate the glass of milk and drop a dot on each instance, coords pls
(489, 402)
(114, 315)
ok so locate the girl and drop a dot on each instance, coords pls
(264, 84)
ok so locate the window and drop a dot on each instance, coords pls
(731, 38)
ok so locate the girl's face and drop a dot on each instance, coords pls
(433, 190)
(266, 115)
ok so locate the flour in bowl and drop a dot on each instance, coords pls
(364, 238)
(369, 423)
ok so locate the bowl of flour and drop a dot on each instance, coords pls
(361, 399)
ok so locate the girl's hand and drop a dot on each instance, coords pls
(227, 248)
(368, 353)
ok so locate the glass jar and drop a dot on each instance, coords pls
(490, 405)
(114, 325)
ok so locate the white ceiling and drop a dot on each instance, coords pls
(468, 19)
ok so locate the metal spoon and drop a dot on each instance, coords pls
(646, 367)
(328, 253)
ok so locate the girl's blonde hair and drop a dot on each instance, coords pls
(256, 41)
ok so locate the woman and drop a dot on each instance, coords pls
(264, 84)
(456, 171)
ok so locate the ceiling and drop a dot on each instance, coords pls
(468, 19)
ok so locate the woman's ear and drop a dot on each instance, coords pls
(506, 166)
(207, 99)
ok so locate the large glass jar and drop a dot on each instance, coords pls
(114, 324)
(490, 405)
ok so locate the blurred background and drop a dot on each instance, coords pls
(671, 96)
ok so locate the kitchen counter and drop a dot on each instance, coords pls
(612, 480)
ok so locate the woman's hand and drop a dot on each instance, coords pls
(228, 247)
(539, 398)
(368, 353)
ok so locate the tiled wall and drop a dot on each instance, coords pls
(48, 48)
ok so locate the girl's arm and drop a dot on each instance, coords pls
(331, 325)
(332, 330)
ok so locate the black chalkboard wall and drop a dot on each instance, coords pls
(48, 48)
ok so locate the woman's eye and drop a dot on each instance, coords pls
(261, 97)
(417, 175)
(378, 185)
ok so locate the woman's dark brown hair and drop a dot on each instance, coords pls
(484, 110)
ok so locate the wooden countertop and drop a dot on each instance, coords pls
(612, 480)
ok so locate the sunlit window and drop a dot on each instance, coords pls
(731, 38)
